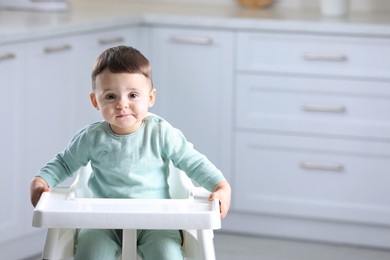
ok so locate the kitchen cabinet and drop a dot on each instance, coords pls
(11, 71)
(313, 54)
(193, 75)
(38, 87)
(312, 137)
(15, 217)
(49, 99)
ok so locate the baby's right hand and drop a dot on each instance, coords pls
(37, 187)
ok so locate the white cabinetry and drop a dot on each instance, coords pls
(312, 137)
(313, 54)
(11, 71)
(15, 216)
(193, 76)
(48, 99)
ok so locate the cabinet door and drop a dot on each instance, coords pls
(342, 56)
(324, 106)
(48, 100)
(11, 69)
(89, 47)
(193, 76)
(313, 178)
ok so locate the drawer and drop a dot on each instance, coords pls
(313, 178)
(314, 54)
(312, 105)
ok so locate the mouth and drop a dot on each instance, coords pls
(122, 115)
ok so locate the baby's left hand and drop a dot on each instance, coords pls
(222, 191)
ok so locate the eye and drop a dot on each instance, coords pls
(110, 96)
(133, 95)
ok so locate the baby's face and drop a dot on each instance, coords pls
(123, 99)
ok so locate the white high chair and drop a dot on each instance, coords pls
(65, 209)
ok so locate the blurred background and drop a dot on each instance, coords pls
(289, 98)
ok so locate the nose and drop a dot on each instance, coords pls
(122, 103)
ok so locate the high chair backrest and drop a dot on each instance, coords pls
(180, 186)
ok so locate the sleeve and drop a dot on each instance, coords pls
(185, 157)
(66, 163)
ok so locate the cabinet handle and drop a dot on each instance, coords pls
(323, 108)
(192, 40)
(60, 48)
(7, 56)
(319, 57)
(321, 166)
(111, 40)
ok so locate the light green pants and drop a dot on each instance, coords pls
(106, 244)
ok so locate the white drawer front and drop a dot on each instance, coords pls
(313, 178)
(308, 54)
(309, 105)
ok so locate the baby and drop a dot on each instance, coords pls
(129, 152)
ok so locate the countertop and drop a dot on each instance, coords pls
(17, 26)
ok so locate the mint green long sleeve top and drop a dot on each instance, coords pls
(134, 165)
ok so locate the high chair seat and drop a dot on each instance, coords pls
(61, 211)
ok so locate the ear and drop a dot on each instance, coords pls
(152, 97)
(92, 96)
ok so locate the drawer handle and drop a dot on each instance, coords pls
(319, 57)
(111, 41)
(7, 56)
(323, 108)
(192, 40)
(321, 166)
(55, 49)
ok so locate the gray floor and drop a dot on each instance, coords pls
(233, 247)
(229, 247)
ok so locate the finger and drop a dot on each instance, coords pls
(216, 195)
(35, 199)
(213, 196)
(38, 193)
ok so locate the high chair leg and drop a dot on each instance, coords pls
(59, 244)
(205, 238)
(129, 244)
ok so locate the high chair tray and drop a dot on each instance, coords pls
(54, 210)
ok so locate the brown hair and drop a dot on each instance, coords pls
(122, 59)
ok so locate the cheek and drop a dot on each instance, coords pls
(105, 108)
(142, 107)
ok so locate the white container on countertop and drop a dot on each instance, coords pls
(334, 8)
